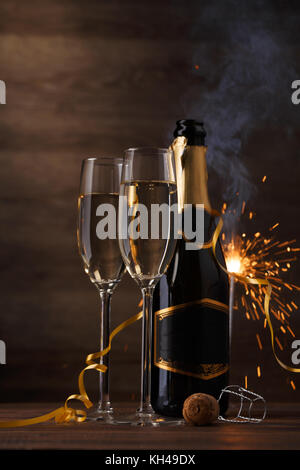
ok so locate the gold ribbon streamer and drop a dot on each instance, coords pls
(65, 413)
(256, 281)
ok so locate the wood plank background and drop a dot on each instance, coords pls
(93, 78)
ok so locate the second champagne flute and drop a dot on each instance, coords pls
(147, 238)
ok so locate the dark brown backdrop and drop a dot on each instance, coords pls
(93, 78)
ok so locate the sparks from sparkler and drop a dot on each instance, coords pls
(266, 257)
(262, 257)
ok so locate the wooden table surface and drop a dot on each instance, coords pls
(279, 431)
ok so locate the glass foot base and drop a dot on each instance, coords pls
(152, 419)
(96, 414)
(104, 416)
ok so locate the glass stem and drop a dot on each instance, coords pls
(105, 295)
(145, 406)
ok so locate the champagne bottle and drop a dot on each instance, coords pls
(190, 350)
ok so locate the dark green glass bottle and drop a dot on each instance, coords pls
(190, 351)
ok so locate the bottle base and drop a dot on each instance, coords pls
(174, 409)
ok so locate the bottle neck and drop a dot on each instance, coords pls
(194, 182)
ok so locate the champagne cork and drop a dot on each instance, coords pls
(200, 409)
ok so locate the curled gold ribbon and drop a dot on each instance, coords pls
(255, 281)
(65, 413)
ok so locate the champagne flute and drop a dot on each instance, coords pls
(148, 182)
(98, 247)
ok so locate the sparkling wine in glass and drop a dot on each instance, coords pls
(99, 249)
(147, 238)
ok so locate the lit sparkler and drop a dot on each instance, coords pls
(264, 258)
